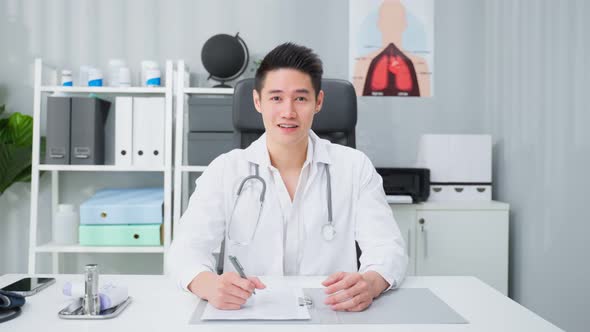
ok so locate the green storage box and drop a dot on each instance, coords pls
(120, 235)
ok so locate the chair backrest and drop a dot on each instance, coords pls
(336, 121)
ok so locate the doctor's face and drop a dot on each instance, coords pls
(287, 102)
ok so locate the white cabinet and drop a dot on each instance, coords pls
(457, 238)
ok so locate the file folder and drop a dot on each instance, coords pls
(123, 131)
(87, 130)
(148, 131)
(57, 149)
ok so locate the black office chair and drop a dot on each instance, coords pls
(336, 121)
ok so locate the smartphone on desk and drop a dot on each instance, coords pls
(29, 286)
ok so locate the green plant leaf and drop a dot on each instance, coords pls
(3, 131)
(14, 160)
(2, 109)
(24, 176)
(42, 148)
(20, 129)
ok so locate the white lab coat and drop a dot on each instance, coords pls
(360, 212)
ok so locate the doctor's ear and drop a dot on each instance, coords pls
(319, 101)
(256, 99)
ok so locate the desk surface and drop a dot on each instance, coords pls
(159, 306)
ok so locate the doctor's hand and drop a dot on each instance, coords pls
(353, 291)
(227, 291)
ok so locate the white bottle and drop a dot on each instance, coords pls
(83, 75)
(114, 68)
(66, 78)
(152, 77)
(65, 225)
(94, 77)
(147, 66)
(124, 77)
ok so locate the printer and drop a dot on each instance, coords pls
(405, 185)
(460, 166)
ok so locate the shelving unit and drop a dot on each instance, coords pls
(45, 81)
(181, 170)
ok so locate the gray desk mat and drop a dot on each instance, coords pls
(402, 306)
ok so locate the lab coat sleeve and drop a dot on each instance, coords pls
(201, 228)
(377, 233)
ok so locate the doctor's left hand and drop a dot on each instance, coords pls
(353, 291)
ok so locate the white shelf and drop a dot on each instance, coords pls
(195, 169)
(209, 91)
(41, 90)
(99, 168)
(104, 89)
(56, 248)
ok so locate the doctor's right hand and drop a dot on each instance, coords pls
(227, 291)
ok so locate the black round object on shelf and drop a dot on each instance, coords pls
(225, 57)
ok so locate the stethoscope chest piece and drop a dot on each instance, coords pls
(328, 231)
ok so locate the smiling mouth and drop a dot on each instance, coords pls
(287, 126)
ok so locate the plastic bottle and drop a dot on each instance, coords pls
(66, 78)
(114, 71)
(94, 77)
(152, 77)
(65, 225)
(124, 77)
(83, 77)
(149, 67)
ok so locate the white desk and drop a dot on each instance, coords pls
(159, 306)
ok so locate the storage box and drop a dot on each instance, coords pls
(124, 206)
(120, 235)
(202, 147)
(465, 159)
(210, 113)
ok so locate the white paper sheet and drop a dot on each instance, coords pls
(267, 304)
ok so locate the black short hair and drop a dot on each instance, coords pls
(292, 56)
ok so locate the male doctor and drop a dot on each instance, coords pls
(305, 178)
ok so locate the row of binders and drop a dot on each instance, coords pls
(88, 131)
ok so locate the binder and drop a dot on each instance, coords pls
(57, 149)
(123, 131)
(87, 130)
(148, 131)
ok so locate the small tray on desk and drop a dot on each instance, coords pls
(76, 311)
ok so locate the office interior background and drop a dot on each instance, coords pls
(517, 70)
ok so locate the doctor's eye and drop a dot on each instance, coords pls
(302, 99)
(275, 98)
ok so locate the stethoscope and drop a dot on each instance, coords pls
(328, 230)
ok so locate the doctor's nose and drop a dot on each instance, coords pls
(288, 111)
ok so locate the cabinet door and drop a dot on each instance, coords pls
(405, 216)
(473, 243)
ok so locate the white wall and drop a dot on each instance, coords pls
(537, 75)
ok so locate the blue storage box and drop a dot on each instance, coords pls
(124, 206)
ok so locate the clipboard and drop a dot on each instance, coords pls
(400, 306)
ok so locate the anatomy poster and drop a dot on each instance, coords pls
(392, 47)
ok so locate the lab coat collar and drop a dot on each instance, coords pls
(317, 151)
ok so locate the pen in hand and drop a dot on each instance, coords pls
(239, 268)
